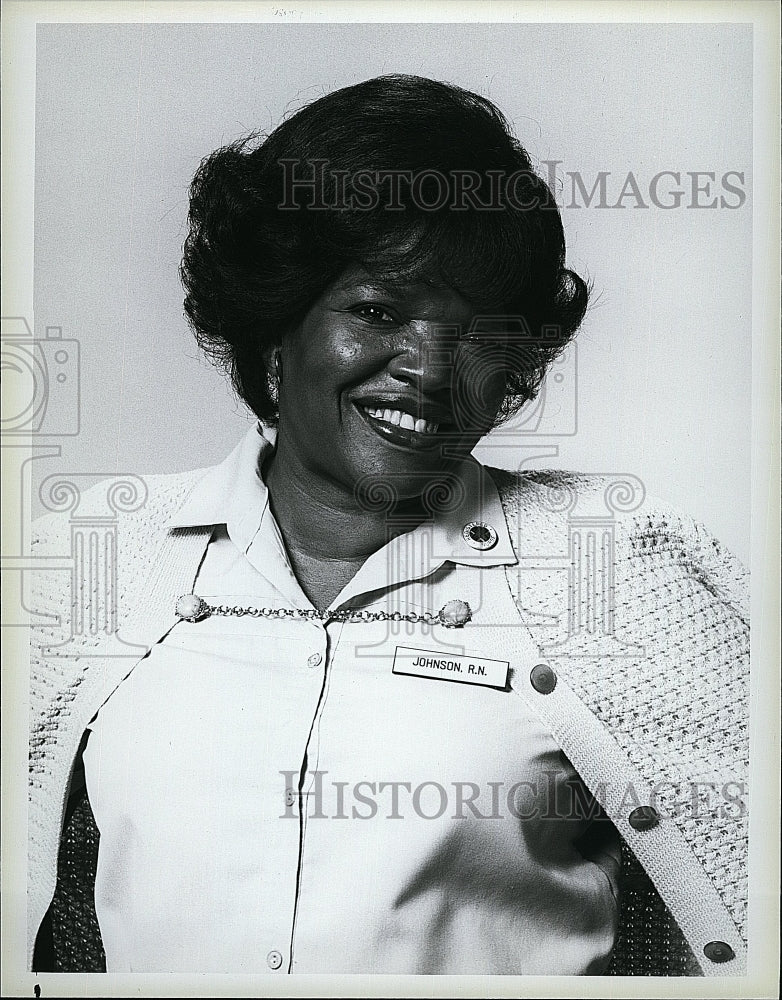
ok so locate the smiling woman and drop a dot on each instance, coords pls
(343, 251)
(351, 619)
(275, 222)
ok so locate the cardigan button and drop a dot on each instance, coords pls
(543, 678)
(643, 818)
(718, 951)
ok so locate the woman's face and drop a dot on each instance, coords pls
(387, 381)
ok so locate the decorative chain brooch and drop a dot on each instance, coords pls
(453, 614)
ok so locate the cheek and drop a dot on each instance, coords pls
(335, 362)
(317, 375)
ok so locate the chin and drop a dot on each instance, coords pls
(383, 479)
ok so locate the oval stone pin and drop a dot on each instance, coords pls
(455, 614)
(191, 607)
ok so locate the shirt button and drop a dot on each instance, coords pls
(543, 678)
(315, 660)
(718, 951)
(643, 818)
(274, 960)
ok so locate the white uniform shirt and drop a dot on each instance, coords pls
(270, 795)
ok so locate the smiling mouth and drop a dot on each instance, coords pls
(398, 418)
(399, 427)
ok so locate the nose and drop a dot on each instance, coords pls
(425, 356)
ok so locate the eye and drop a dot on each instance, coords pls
(375, 314)
(487, 332)
(496, 340)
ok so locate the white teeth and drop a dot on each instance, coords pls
(401, 419)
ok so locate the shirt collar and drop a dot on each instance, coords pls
(233, 493)
(480, 506)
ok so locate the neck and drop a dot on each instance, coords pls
(319, 517)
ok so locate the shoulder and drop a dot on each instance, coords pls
(90, 554)
(114, 525)
(555, 490)
(131, 499)
(648, 535)
(560, 495)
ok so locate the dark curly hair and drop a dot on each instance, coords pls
(275, 220)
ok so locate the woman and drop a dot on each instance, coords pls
(356, 728)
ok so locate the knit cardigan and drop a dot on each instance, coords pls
(650, 700)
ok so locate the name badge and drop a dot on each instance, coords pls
(465, 669)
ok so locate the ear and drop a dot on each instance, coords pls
(272, 361)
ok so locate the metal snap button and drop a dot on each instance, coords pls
(543, 678)
(643, 818)
(718, 951)
(274, 960)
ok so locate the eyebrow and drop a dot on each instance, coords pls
(373, 286)
(378, 285)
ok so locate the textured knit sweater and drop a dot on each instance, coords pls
(640, 614)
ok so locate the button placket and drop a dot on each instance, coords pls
(280, 922)
(318, 650)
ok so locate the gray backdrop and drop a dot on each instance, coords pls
(659, 384)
